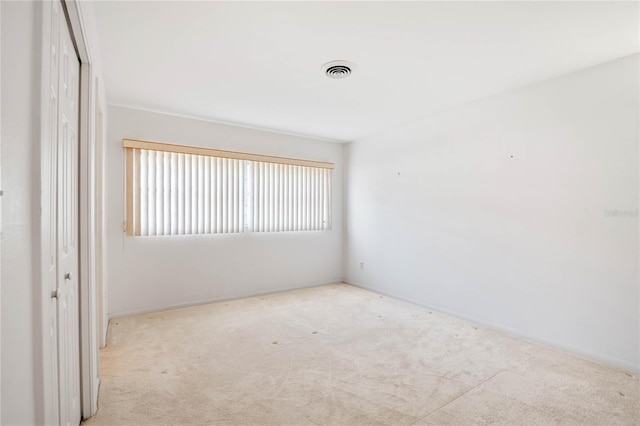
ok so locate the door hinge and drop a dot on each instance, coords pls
(124, 226)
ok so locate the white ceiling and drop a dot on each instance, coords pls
(259, 64)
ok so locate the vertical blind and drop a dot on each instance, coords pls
(178, 190)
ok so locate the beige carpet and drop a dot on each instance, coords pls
(341, 355)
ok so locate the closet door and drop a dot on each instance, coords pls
(68, 319)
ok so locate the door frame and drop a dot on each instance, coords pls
(1, 193)
(89, 361)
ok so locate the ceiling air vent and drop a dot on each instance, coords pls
(338, 69)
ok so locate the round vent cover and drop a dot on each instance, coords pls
(338, 69)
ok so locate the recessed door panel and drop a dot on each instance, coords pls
(67, 229)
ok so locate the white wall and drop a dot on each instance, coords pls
(150, 273)
(19, 266)
(496, 212)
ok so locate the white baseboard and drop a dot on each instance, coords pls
(215, 300)
(609, 361)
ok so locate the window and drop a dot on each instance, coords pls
(181, 190)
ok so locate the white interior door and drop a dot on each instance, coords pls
(68, 319)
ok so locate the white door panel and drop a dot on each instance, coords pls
(50, 206)
(67, 229)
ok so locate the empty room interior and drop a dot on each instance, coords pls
(333, 213)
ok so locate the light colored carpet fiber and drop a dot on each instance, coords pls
(341, 355)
